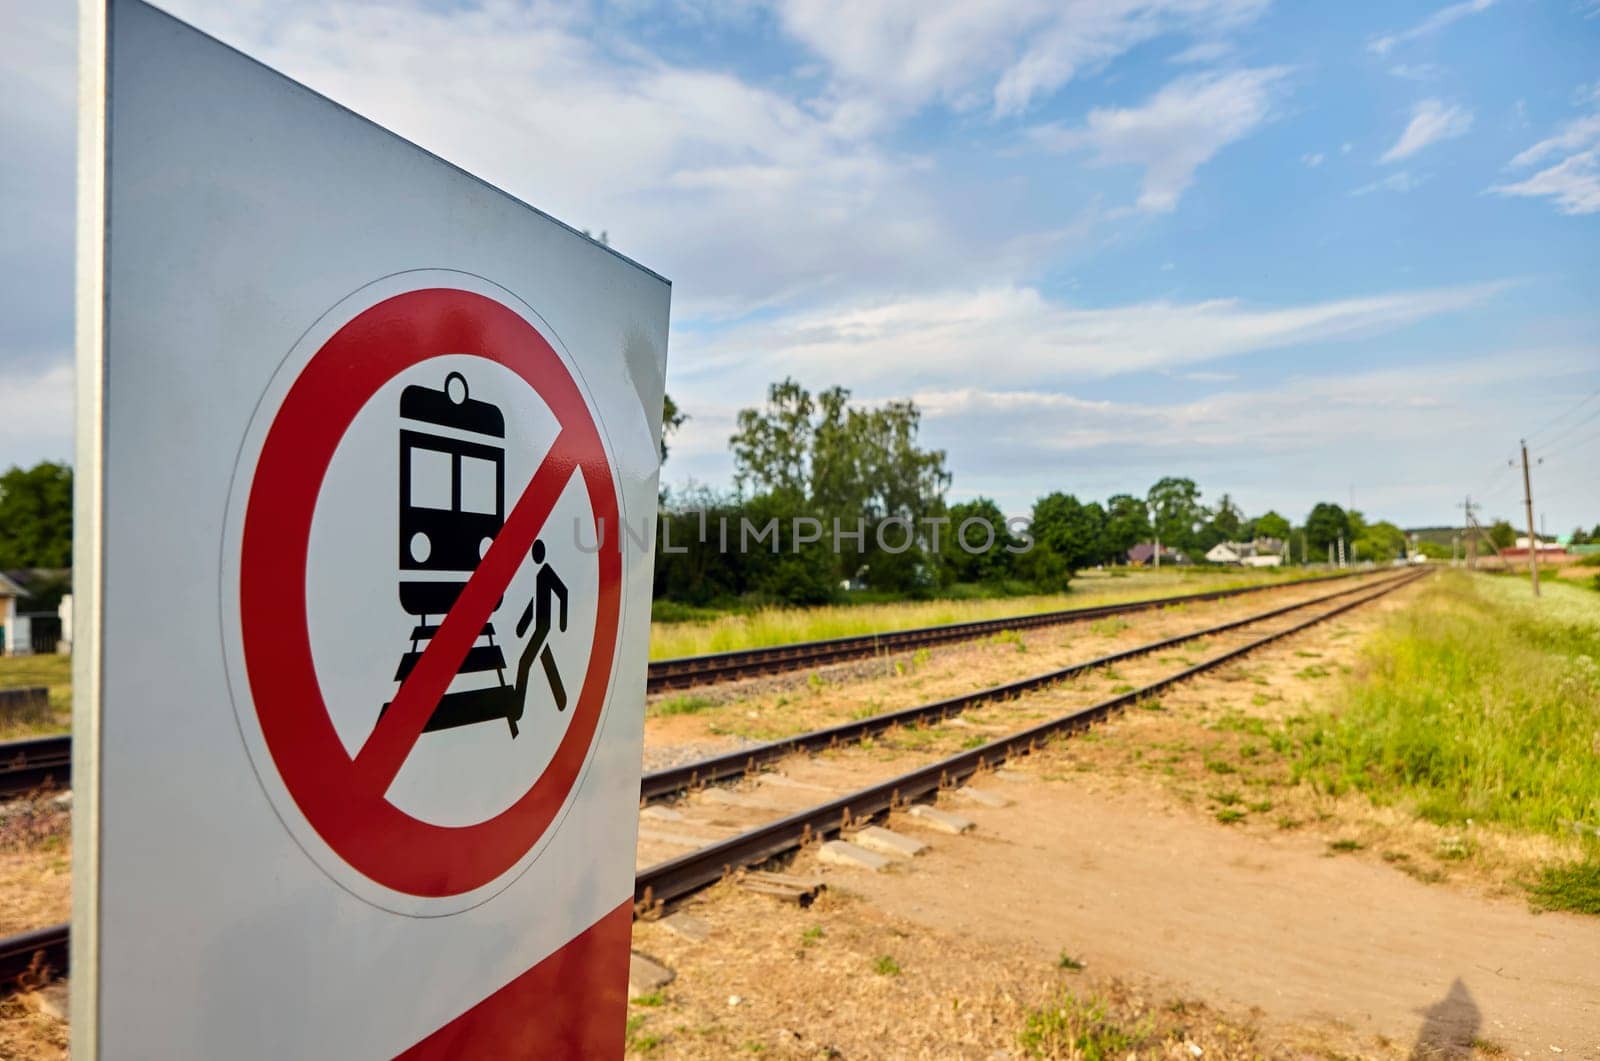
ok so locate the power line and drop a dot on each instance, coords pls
(1569, 430)
(1575, 444)
(1585, 400)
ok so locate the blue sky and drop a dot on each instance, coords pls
(1294, 251)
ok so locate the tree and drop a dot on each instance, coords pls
(993, 564)
(1175, 504)
(1127, 524)
(1271, 525)
(1324, 527)
(1227, 521)
(1069, 529)
(1381, 541)
(671, 420)
(1502, 534)
(858, 465)
(36, 516)
(772, 448)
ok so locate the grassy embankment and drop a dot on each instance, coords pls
(1478, 704)
(777, 626)
(54, 673)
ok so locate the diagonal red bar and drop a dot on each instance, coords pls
(386, 748)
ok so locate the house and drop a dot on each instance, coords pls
(1143, 555)
(10, 592)
(1263, 552)
(30, 619)
(1549, 552)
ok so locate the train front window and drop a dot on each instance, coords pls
(480, 486)
(430, 478)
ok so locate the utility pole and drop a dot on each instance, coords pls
(1472, 541)
(1533, 539)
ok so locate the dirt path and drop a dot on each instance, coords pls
(1133, 887)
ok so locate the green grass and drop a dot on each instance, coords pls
(52, 672)
(687, 704)
(884, 965)
(678, 630)
(1478, 703)
(1574, 887)
(1078, 1027)
(1068, 962)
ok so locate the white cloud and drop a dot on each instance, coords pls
(1284, 444)
(1312, 161)
(743, 194)
(1004, 54)
(1573, 183)
(1416, 71)
(1403, 181)
(1431, 121)
(1175, 131)
(1576, 134)
(36, 412)
(1017, 336)
(1429, 26)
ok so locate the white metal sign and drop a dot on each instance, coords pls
(362, 668)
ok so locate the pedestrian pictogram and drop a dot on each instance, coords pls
(445, 422)
(549, 587)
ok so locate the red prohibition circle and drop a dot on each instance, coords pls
(342, 796)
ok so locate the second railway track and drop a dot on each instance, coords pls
(687, 672)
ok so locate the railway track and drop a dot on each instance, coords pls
(662, 783)
(28, 764)
(30, 954)
(677, 877)
(689, 671)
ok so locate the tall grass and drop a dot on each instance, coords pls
(778, 626)
(51, 671)
(1478, 702)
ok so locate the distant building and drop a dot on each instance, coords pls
(1550, 552)
(1263, 552)
(30, 621)
(9, 594)
(1143, 555)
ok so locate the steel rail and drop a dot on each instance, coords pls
(688, 873)
(27, 764)
(36, 952)
(686, 672)
(661, 783)
(31, 952)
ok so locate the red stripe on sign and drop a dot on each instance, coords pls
(572, 1004)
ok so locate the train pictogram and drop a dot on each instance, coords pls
(452, 504)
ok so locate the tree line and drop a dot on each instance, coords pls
(820, 461)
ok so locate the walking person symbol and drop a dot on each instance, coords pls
(547, 584)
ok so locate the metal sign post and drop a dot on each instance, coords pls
(367, 450)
